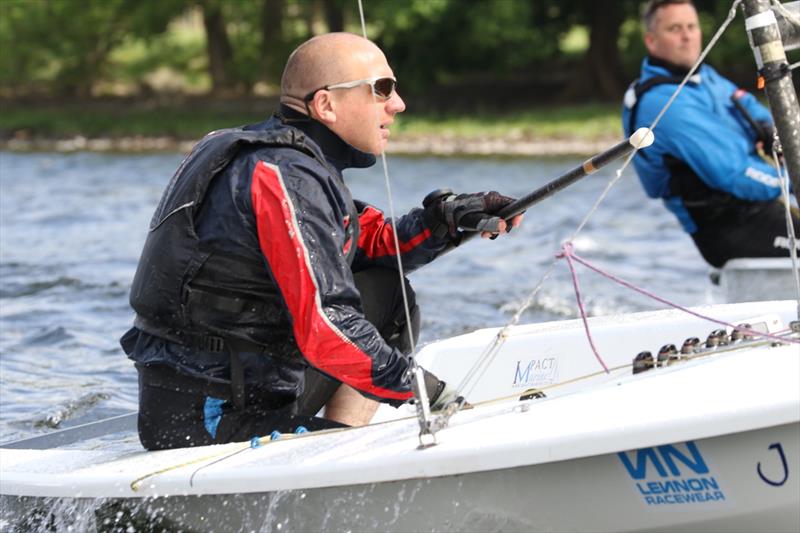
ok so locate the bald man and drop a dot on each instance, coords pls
(264, 291)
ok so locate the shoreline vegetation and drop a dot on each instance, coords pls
(131, 127)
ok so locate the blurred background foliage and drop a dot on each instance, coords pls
(450, 54)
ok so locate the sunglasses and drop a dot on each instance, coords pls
(382, 87)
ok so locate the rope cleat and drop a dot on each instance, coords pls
(667, 355)
(739, 334)
(643, 362)
(690, 346)
(718, 337)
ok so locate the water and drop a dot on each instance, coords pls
(72, 227)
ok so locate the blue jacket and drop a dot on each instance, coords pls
(704, 130)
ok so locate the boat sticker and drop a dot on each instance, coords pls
(673, 474)
(536, 372)
(777, 447)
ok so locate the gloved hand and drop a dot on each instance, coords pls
(445, 398)
(446, 212)
(440, 395)
(766, 136)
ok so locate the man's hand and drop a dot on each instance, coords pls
(446, 213)
(766, 136)
(445, 398)
(440, 394)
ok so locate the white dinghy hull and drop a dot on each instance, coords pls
(709, 444)
(717, 488)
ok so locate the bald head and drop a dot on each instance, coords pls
(325, 60)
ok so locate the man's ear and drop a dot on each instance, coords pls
(323, 107)
(649, 39)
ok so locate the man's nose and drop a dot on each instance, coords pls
(395, 104)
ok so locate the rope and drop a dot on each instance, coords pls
(784, 180)
(567, 251)
(361, 17)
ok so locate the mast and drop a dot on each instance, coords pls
(769, 48)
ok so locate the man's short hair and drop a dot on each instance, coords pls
(652, 7)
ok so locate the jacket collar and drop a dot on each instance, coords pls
(336, 151)
(672, 68)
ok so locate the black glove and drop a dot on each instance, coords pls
(766, 134)
(439, 394)
(446, 213)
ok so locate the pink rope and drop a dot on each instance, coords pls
(569, 255)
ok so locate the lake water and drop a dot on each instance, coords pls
(72, 227)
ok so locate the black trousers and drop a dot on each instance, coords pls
(746, 229)
(176, 411)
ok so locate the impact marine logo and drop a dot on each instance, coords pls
(536, 372)
(668, 475)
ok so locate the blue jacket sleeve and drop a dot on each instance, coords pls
(755, 108)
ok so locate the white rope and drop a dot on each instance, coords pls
(784, 180)
(491, 351)
(784, 177)
(361, 15)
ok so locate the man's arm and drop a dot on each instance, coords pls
(302, 241)
(424, 233)
(376, 243)
(755, 108)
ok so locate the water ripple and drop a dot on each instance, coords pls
(71, 409)
(50, 337)
(16, 290)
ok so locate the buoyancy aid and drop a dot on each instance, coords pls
(195, 293)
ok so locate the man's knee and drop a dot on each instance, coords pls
(385, 307)
(350, 407)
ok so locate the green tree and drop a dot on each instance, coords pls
(65, 44)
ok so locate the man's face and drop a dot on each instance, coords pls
(675, 35)
(363, 120)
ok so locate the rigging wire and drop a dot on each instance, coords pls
(788, 15)
(491, 351)
(791, 17)
(393, 219)
(784, 176)
(784, 181)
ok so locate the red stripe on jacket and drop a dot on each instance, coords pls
(281, 242)
(376, 236)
